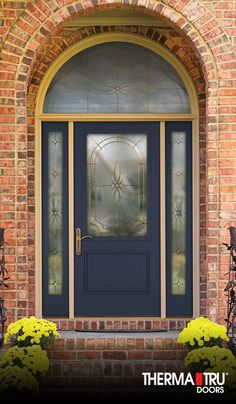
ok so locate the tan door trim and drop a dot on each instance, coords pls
(163, 219)
(71, 216)
(70, 118)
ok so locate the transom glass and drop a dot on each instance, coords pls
(116, 78)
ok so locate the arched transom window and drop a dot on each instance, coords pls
(117, 78)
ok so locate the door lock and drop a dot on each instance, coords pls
(78, 240)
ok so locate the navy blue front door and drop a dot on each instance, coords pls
(116, 182)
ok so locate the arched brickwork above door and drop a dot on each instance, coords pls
(40, 19)
(167, 37)
(34, 37)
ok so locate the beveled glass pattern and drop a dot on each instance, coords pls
(178, 195)
(118, 78)
(116, 196)
(55, 213)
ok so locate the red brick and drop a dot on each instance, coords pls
(63, 355)
(139, 355)
(208, 26)
(131, 343)
(117, 369)
(149, 343)
(88, 355)
(114, 355)
(25, 26)
(80, 343)
(100, 343)
(70, 343)
(230, 14)
(43, 7)
(90, 343)
(36, 12)
(169, 343)
(223, 5)
(140, 343)
(111, 343)
(121, 343)
(29, 51)
(165, 355)
(128, 370)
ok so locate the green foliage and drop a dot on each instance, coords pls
(32, 357)
(213, 359)
(27, 358)
(15, 379)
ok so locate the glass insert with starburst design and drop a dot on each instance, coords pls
(116, 185)
(55, 213)
(178, 192)
(118, 78)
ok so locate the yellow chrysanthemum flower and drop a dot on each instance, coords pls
(30, 331)
(203, 332)
(213, 359)
(32, 357)
(14, 378)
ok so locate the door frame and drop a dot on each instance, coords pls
(136, 247)
(71, 118)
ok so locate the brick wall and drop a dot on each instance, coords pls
(109, 361)
(119, 361)
(202, 34)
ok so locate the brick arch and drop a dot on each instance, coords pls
(36, 23)
(32, 30)
(59, 42)
(174, 42)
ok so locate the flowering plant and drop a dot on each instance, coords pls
(203, 332)
(31, 331)
(212, 359)
(32, 357)
(15, 379)
(208, 358)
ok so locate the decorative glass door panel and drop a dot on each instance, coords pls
(55, 214)
(116, 175)
(179, 288)
(55, 218)
(117, 77)
(117, 269)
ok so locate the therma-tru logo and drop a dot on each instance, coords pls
(206, 382)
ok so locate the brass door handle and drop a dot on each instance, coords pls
(78, 240)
